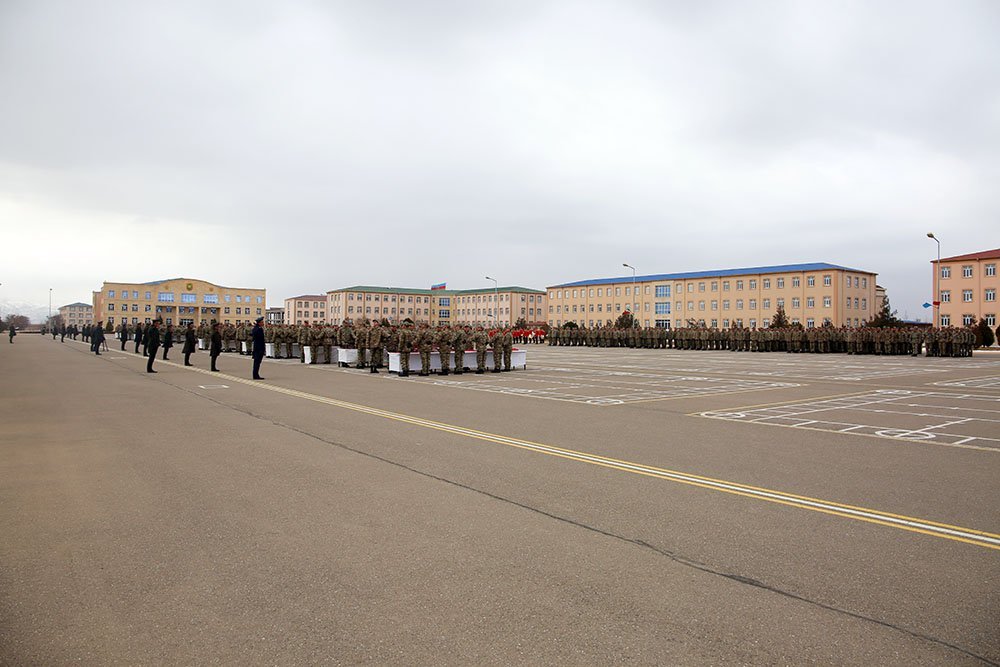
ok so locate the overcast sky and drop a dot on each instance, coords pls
(303, 146)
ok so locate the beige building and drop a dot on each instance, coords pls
(967, 285)
(77, 314)
(178, 301)
(306, 309)
(811, 294)
(486, 307)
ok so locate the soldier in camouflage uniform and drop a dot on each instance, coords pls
(361, 341)
(374, 339)
(405, 345)
(506, 347)
(460, 341)
(425, 345)
(481, 341)
(444, 338)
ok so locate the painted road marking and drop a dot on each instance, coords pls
(912, 524)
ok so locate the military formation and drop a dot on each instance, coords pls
(912, 341)
(372, 339)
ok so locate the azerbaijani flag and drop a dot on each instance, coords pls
(439, 286)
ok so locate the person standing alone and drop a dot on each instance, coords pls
(257, 336)
(190, 344)
(215, 348)
(152, 343)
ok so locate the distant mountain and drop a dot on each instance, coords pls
(37, 314)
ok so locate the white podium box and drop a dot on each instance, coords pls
(244, 347)
(269, 350)
(347, 356)
(202, 343)
(307, 352)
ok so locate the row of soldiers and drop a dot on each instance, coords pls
(935, 342)
(372, 339)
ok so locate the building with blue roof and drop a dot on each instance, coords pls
(813, 294)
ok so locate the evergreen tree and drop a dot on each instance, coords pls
(780, 319)
(625, 321)
(984, 335)
(886, 316)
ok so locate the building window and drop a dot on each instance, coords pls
(968, 320)
(990, 269)
(796, 302)
(780, 302)
(864, 282)
(662, 308)
(810, 281)
(810, 302)
(739, 304)
(827, 302)
(753, 304)
(766, 283)
(725, 304)
(864, 303)
(753, 284)
(662, 291)
(945, 320)
(715, 304)
(618, 291)
(967, 296)
(210, 298)
(796, 282)
(946, 272)
(690, 305)
(189, 298)
(810, 323)
(781, 283)
(991, 294)
(827, 281)
(444, 301)
(165, 297)
(111, 306)
(967, 271)
(111, 294)
(991, 319)
(946, 295)
(739, 284)
(715, 286)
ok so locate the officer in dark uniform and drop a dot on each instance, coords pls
(151, 341)
(190, 344)
(215, 349)
(257, 336)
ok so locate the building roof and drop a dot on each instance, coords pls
(306, 296)
(983, 254)
(171, 280)
(722, 273)
(436, 292)
(76, 305)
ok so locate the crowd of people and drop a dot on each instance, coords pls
(372, 339)
(932, 341)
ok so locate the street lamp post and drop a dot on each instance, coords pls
(496, 297)
(937, 281)
(629, 266)
(50, 305)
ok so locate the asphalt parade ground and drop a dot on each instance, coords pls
(601, 506)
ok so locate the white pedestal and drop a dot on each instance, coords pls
(347, 356)
(308, 352)
(244, 347)
(202, 343)
(269, 350)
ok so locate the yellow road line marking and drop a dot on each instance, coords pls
(912, 524)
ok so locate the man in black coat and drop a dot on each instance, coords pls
(215, 348)
(257, 335)
(96, 338)
(152, 343)
(190, 344)
(168, 340)
(138, 336)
